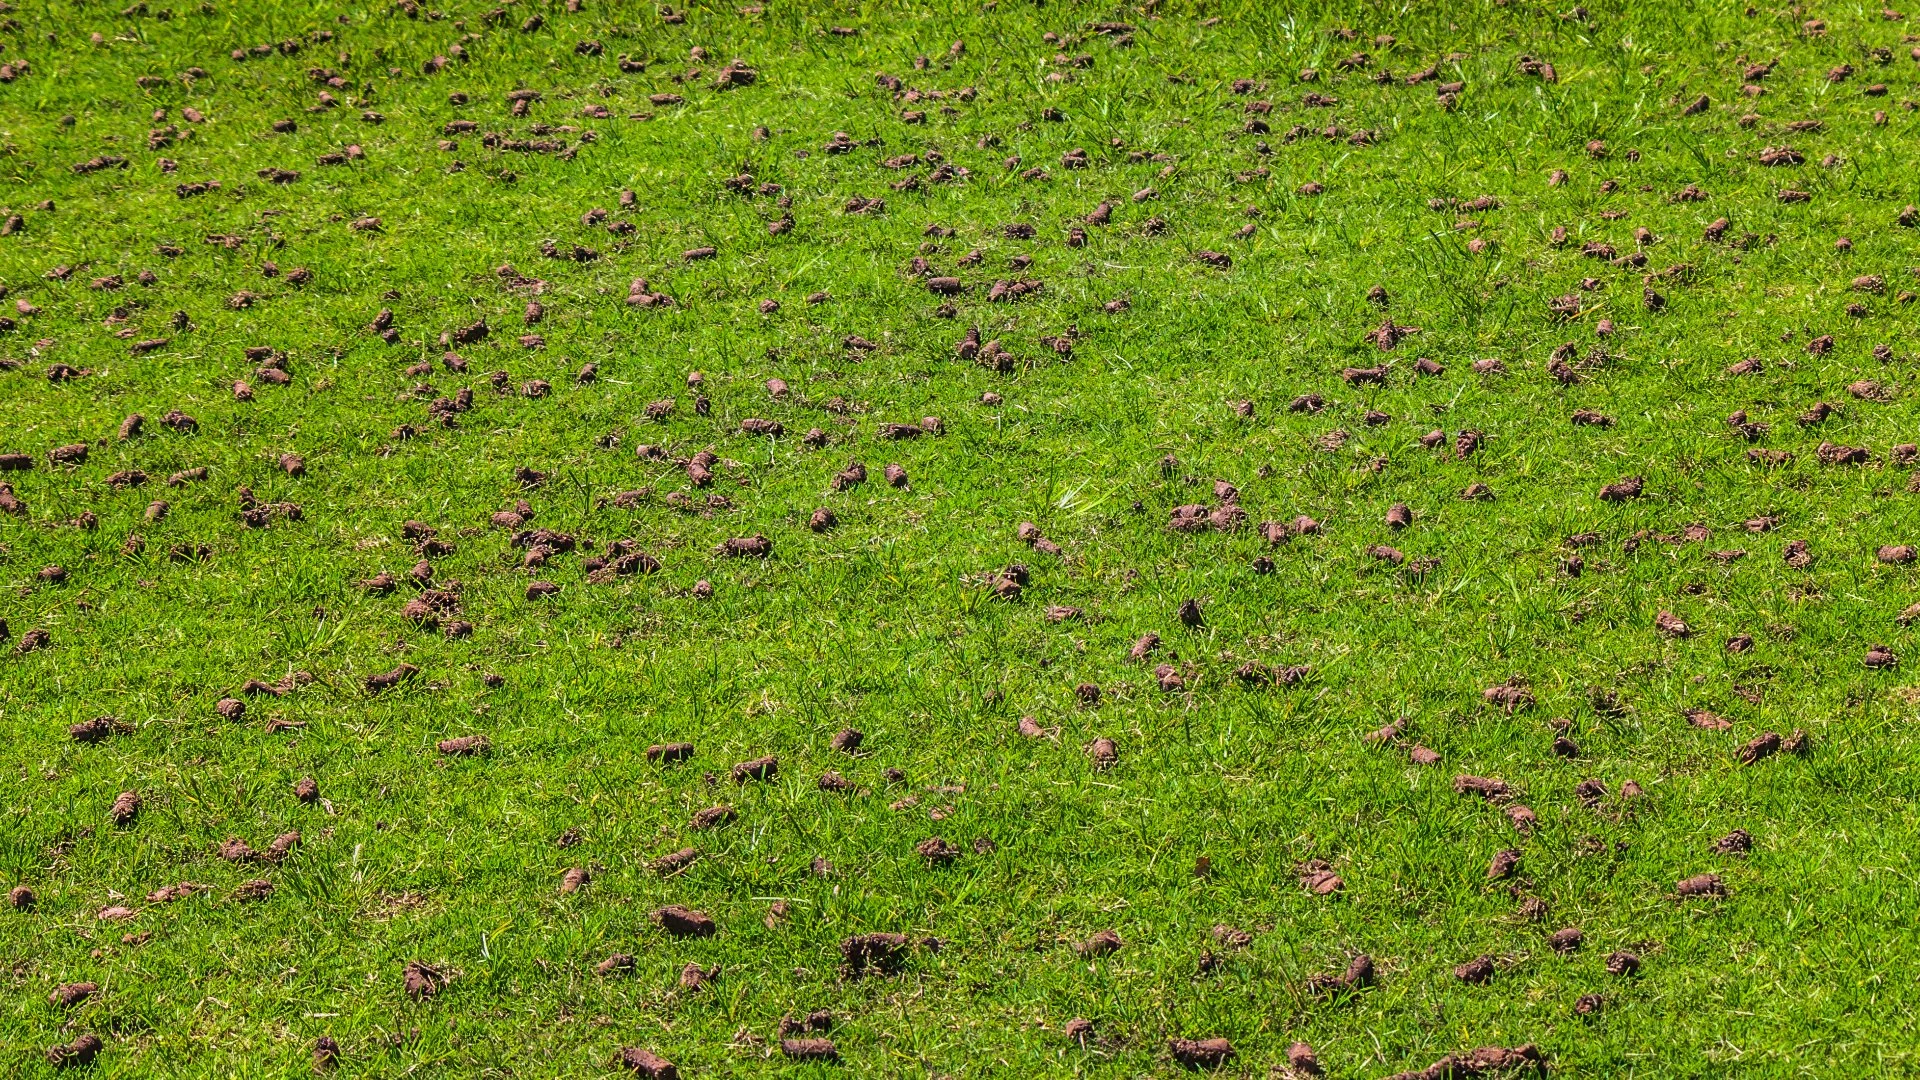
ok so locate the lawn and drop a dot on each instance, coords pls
(958, 540)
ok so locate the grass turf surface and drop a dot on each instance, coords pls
(889, 622)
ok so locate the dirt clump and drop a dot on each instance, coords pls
(1737, 842)
(421, 980)
(815, 1049)
(1477, 970)
(1700, 885)
(77, 1054)
(72, 994)
(1200, 1053)
(465, 746)
(1486, 1061)
(387, 680)
(1622, 490)
(760, 768)
(1317, 877)
(1762, 746)
(668, 753)
(1103, 943)
(684, 922)
(646, 1063)
(1358, 975)
(1104, 752)
(1487, 787)
(873, 954)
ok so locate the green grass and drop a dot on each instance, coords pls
(886, 623)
